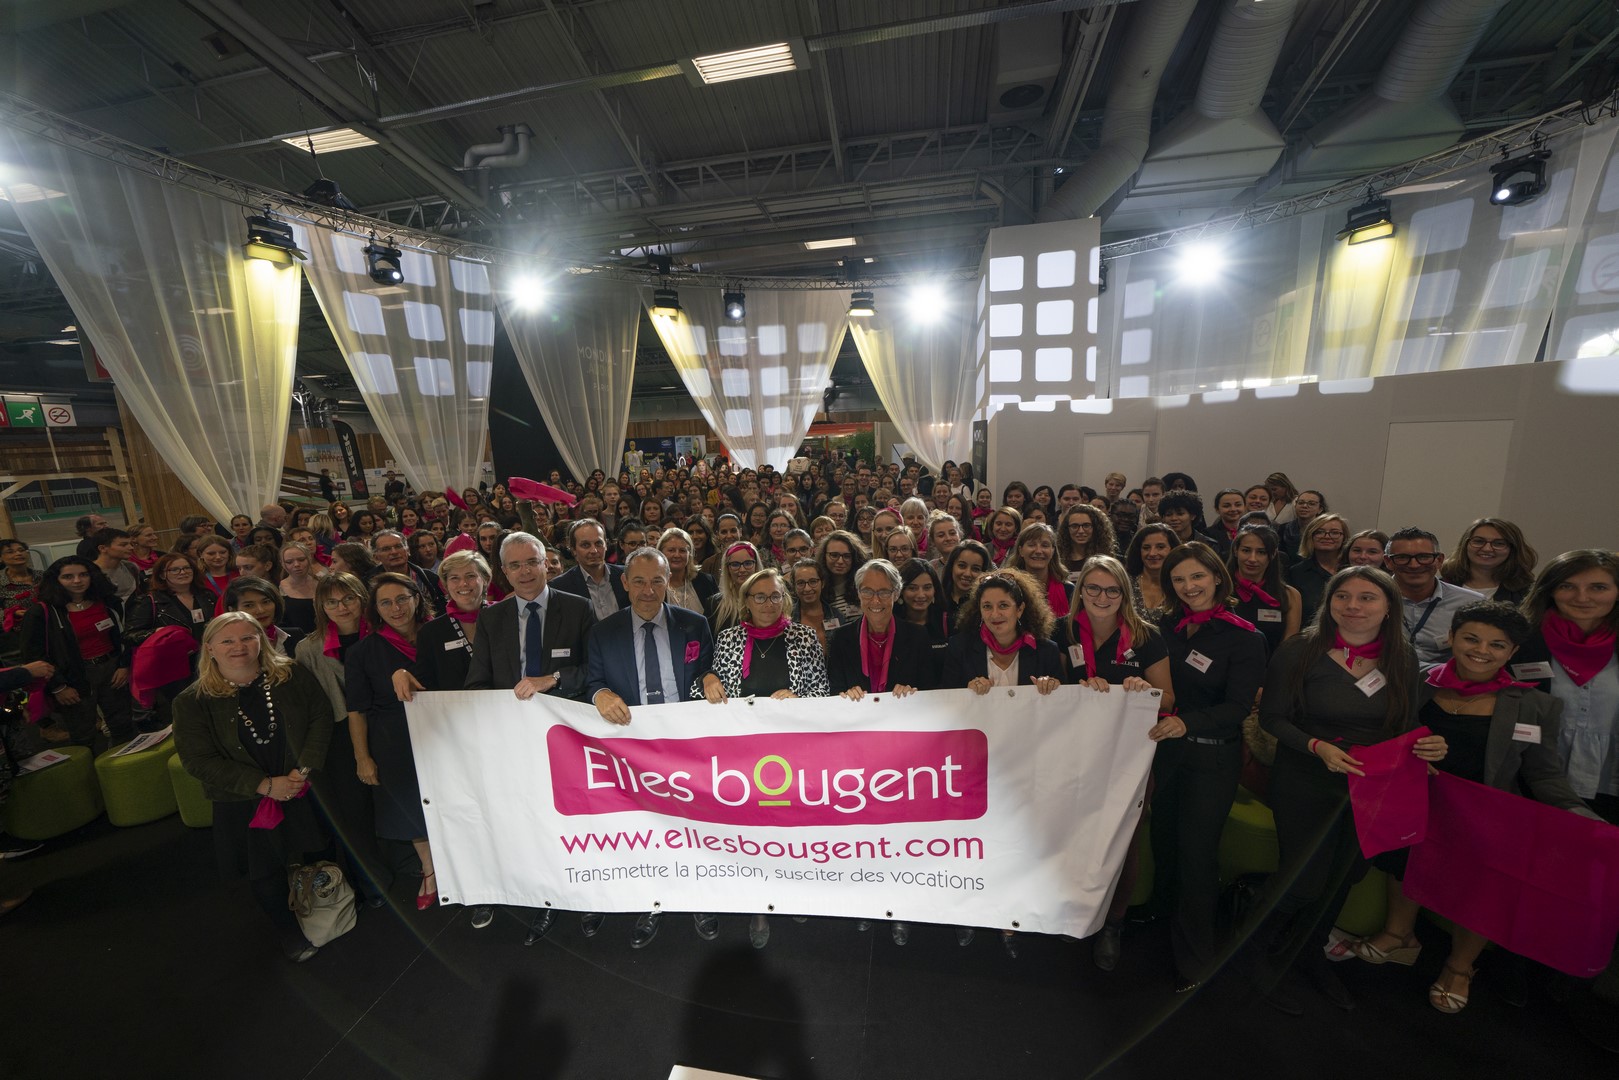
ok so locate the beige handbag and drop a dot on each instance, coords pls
(322, 900)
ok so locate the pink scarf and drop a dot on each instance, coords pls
(874, 656)
(1582, 655)
(1248, 590)
(1444, 676)
(1056, 596)
(759, 633)
(999, 550)
(1369, 651)
(464, 616)
(1087, 643)
(331, 645)
(397, 640)
(1026, 641)
(1219, 611)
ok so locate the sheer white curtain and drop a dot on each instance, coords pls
(200, 340)
(1462, 284)
(920, 360)
(577, 353)
(421, 352)
(758, 382)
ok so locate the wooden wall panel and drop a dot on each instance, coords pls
(164, 500)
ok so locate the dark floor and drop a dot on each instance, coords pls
(132, 960)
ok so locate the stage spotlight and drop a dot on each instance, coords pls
(327, 193)
(382, 261)
(1368, 221)
(271, 239)
(1519, 180)
(925, 303)
(1200, 263)
(528, 293)
(862, 304)
(666, 302)
(735, 305)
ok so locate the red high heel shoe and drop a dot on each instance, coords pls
(425, 900)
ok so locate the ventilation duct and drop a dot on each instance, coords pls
(1218, 148)
(510, 152)
(1407, 114)
(1156, 27)
(1028, 56)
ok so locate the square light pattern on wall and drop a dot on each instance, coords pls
(1031, 292)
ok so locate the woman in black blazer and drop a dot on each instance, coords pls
(1003, 637)
(1217, 663)
(1478, 708)
(878, 653)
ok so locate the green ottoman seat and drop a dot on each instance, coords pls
(1248, 844)
(196, 810)
(136, 787)
(1367, 905)
(56, 800)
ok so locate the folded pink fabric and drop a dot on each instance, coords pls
(1391, 801)
(1537, 880)
(163, 658)
(270, 814)
(522, 487)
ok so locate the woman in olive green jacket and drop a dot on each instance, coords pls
(253, 728)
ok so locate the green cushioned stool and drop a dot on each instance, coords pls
(1367, 906)
(136, 787)
(56, 800)
(1248, 844)
(196, 809)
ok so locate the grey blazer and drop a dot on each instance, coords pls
(1539, 766)
(497, 659)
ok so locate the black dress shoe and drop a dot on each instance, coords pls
(591, 922)
(708, 925)
(646, 928)
(538, 925)
(1105, 951)
(1183, 985)
(375, 902)
(901, 933)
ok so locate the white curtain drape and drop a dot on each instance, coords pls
(201, 341)
(578, 357)
(421, 352)
(920, 360)
(758, 382)
(1462, 284)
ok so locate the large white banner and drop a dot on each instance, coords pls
(1011, 810)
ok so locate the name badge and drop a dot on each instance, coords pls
(1529, 672)
(1371, 682)
(196, 615)
(1076, 655)
(831, 624)
(558, 653)
(1526, 733)
(1269, 614)
(104, 624)
(1199, 661)
(451, 646)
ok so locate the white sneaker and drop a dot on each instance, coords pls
(482, 916)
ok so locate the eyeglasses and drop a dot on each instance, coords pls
(1425, 559)
(397, 602)
(765, 598)
(747, 564)
(1112, 592)
(526, 564)
(1495, 545)
(875, 594)
(1081, 526)
(839, 555)
(1329, 534)
(340, 601)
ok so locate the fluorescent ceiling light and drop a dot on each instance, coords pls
(746, 63)
(842, 241)
(1418, 189)
(328, 142)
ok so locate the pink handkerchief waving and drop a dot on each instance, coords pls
(1391, 801)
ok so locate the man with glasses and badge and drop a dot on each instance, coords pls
(1414, 559)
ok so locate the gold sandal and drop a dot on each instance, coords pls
(1401, 954)
(1447, 1001)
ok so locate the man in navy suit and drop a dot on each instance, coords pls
(593, 578)
(649, 653)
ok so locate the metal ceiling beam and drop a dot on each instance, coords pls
(333, 98)
(1076, 78)
(1348, 30)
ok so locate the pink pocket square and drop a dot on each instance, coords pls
(694, 649)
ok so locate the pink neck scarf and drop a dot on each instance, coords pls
(1056, 596)
(875, 654)
(759, 633)
(1087, 642)
(464, 616)
(1582, 655)
(1025, 641)
(1248, 590)
(397, 640)
(1220, 612)
(331, 645)
(1369, 651)
(1444, 676)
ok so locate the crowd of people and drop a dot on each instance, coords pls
(282, 649)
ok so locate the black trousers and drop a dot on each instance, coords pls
(79, 719)
(349, 812)
(1320, 851)
(1194, 787)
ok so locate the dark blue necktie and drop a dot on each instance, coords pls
(533, 655)
(653, 693)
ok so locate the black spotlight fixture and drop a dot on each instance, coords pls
(327, 193)
(666, 302)
(862, 304)
(1101, 277)
(271, 239)
(383, 262)
(1518, 180)
(735, 305)
(1368, 221)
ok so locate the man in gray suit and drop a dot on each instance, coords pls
(532, 642)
